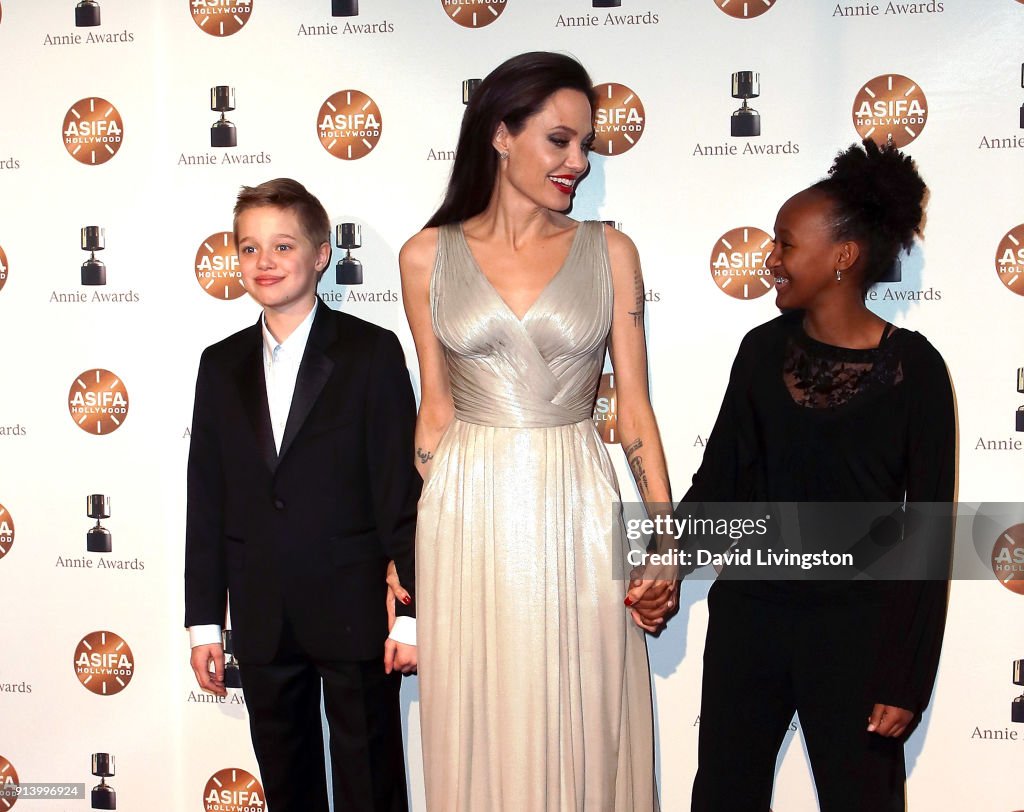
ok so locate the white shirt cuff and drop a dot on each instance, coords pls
(205, 635)
(404, 630)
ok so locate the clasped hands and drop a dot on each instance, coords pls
(653, 595)
(397, 656)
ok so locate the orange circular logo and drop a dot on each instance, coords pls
(104, 663)
(890, 107)
(233, 790)
(737, 263)
(1009, 259)
(217, 268)
(606, 414)
(3, 268)
(93, 131)
(474, 13)
(349, 125)
(1008, 559)
(745, 9)
(220, 18)
(8, 782)
(98, 401)
(6, 531)
(619, 119)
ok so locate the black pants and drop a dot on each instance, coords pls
(364, 718)
(763, 660)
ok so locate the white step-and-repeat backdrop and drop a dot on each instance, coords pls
(117, 178)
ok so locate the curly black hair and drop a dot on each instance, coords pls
(878, 198)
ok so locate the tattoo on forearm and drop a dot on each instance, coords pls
(424, 455)
(636, 465)
(638, 292)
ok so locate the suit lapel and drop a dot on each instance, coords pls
(252, 387)
(314, 370)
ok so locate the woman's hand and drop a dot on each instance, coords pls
(652, 596)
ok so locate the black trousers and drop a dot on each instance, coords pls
(765, 659)
(364, 718)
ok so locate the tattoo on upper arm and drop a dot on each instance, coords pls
(638, 292)
(424, 455)
(636, 465)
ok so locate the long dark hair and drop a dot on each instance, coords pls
(511, 93)
(878, 201)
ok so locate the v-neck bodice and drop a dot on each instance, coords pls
(540, 371)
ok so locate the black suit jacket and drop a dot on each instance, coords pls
(305, 534)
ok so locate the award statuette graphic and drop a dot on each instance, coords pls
(469, 87)
(93, 131)
(619, 119)
(233, 790)
(3, 268)
(223, 133)
(232, 676)
(9, 782)
(98, 401)
(103, 795)
(217, 269)
(1010, 260)
(87, 14)
(349, 270)
(737, 263)
(1017, 707)
(745, 122)
(344, 8)
(220, 18)
(94, 272)
(1020, 390)
(98, 539)
(607, 3)
(104, 663)
(473, 13)
(6, 531)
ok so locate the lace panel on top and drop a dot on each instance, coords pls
(820, 376)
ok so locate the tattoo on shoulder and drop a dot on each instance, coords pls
(424, 455)
(638, 292)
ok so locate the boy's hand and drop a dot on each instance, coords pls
(202, 656)
(399, 657)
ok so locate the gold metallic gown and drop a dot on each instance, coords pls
(534, 682)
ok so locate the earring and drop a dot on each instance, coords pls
(839, 275)
(503, 155)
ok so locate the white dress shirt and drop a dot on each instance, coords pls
(281, 360)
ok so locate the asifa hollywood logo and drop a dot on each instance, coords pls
(220, 18)
(98, 401)
(619, 120)
(349, 125)
(93, 131)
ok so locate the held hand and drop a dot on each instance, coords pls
(652, 595)
(889, 721)
(399, 657)
(395, 589)
(212, 681)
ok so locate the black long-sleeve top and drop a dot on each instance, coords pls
(804, 421)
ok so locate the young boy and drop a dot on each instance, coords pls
(301, 487)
